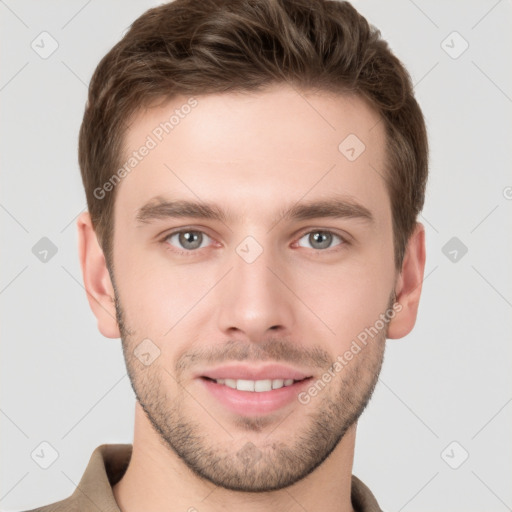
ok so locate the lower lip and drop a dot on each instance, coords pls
(254, 403)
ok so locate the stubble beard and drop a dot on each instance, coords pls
(249, 459)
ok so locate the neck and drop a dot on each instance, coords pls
(158, 480)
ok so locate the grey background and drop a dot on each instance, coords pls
(449, 380)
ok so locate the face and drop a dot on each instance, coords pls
(233, 312)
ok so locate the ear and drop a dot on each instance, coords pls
(98, 285)
(408, 285)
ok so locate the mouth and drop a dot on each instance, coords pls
(256, 386)
(253, 398)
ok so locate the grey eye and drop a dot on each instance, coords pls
(320, 239)
(189, 239)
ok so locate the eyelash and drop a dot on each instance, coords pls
(193, 252)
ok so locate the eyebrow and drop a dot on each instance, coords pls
(159, 208)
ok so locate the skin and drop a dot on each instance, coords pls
(298, 304)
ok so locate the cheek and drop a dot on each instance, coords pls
(348, 297)
(158, 295)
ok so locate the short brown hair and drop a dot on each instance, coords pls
(192, 47)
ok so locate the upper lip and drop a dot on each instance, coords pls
(247, 372)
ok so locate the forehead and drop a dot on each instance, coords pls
(255, 151)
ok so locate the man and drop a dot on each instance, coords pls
(253, 173)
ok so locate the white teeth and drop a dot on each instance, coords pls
(245, 385)
(255, 385)
(230, 383)
(262, 385)
(278, 383)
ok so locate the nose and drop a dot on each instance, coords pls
(255, 298)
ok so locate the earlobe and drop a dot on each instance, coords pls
(97, 282)
(409, 284)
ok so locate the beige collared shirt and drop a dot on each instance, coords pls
(107, 465)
